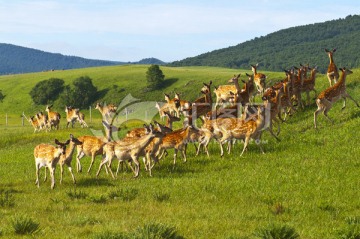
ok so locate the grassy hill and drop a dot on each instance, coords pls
(281, 49)
(308, 181)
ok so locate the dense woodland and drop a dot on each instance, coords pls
(17, 59)
(284, 48)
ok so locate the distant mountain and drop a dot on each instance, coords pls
(151, 61)
(17, 59)
(288, 47)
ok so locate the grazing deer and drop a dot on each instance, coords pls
(259, 79)
(53, 117)
(222, 92)
(106, 110)
(332, 71)
(47, 155)
(332, 94)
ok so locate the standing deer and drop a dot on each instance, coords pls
(47, 155)
(259, 79)
(53, 117)
(332, 71)
(73, 115)
(222, 92)
(332, 94)
(106, 110)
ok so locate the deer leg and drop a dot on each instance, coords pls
(71, 172)
(61, 172)
(78, 164)
(183, 151)
(92, 162)
(349, 96)
(137, 167)
(52, 172)
(344, 105)
(45, 175)
(247, 138)
(37, 174)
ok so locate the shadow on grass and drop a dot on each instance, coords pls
(89, 182)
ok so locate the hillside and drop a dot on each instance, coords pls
(288, 47)
(16, 59)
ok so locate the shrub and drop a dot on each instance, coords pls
(154, 77)
(161, 197)
(24, 225)
(47, 91)
(156, 230)
(98, 199)
(277, 232)
(77, 195)
(6, 198)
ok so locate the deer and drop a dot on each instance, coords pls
(259, 79)
(53, 117)
(245, 130)
(128, 151)
(172, 105)
(309, 84)
(35, 123)
(106, 110)
(332, 71)
(161, 109)
(170, 119)
(222, 91)
(42, 120)
(202, 105)
(328, 97)
(176, 140)
(48, 156)
(73, 115)
(184, 104)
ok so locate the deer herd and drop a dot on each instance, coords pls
(233, 116)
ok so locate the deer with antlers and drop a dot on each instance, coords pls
(48, 156)
(332, 94)
(332, 71)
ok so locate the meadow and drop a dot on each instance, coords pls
(309, 181)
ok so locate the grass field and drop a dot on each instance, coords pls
(309, 181)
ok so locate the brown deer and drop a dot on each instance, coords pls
(106, 110)
(202, 105)
(259, 79)
(222, 92)
(170, 119)
(53, 117)
(332, 94)
(184, 105)
(35, 123)
(309, 84)
(73, 115)
(332, 71)
(161, 109)
(47, 155)
(90, 146)
(172, 105)
(42, 120)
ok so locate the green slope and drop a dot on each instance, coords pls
(284, 48)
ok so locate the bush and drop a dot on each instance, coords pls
(23, 225)
(276, 232)
(77, 195)
(47, 91)
(156, 231)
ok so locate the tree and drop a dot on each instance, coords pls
(83, 93)
(154, 77)
(47, 91)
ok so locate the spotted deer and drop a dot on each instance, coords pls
(90, 146)
(259, 79)
(222, 92)
(73, 115)
(35, 123)
(309, 84)
(53, 117)
(42, 120)
(184, 105)
(328, 97)
(106, 110)
(48, 156)
(161, 109)
(332, 71)
(172, 105)
(202, 105)
(170, 119)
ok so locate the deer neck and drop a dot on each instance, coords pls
(70, 150)
(331, 59)
(237, 86)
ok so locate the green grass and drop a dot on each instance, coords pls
(309, 181)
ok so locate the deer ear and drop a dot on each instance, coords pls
(231, 93)
(67, 142)
(341, 69)
(243, 81)
(257, 64)
(326, 50)
(57, 142)
(334, 49)
(71, 136)
(247, 74)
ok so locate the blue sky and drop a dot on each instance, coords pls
(168, 30)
